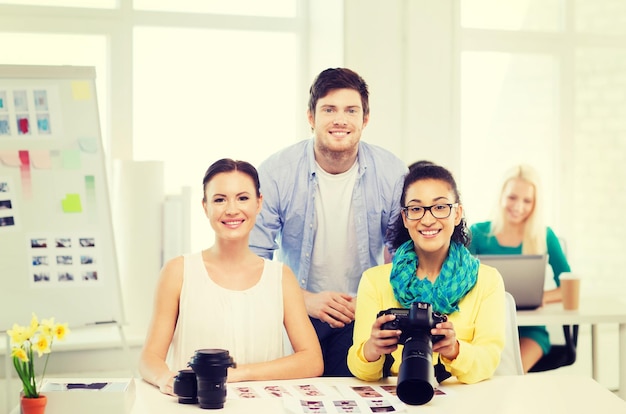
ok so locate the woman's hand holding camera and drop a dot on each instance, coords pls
(381, 342)
(448, 346)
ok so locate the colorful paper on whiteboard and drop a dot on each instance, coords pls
(81, 91)
(72, 204)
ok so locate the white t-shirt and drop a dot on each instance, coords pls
(335, 265)
(247, 323)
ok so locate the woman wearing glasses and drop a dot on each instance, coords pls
(518, 228)
(432, 265)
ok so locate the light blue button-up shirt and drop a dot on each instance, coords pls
(287, 220)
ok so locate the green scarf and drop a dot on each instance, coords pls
(458, 276)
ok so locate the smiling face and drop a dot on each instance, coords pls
(518, 200)
(338, 121)
(430, 234)
(231, 204)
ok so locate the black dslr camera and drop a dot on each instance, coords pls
(416, 374)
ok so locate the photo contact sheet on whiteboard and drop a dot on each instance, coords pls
(48, 178)
(63, 259)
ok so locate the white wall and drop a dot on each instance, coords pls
(404, 51)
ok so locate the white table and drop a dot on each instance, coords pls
(593, 311)
(536, 394)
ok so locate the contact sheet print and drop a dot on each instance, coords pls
(323, 398)
(63, 260)
(27, 112)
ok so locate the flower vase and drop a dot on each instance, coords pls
(34, 405)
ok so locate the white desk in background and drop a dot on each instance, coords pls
(536, 394)
(592, 311)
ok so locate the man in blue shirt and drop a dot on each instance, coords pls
(327, 204)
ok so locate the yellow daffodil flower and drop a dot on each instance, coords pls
(17, 334)
(42, 345)
(47, 327)
(25, 340)
(60, 330)
(20, 354)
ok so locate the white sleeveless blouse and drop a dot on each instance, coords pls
(248, 323)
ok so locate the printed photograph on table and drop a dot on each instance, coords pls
(381, 406)
(347, 406)
(300, 391)
(366, 391)
(342, 405)
(310, 390)
(276, 390)
(246, 392)
(313, 406)
(391, 389)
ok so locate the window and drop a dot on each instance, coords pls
(201, 95)
(550, 91)
(186, 81)
(275, 8)
(63, 49)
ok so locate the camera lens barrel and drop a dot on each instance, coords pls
(185, 386)
(211, 369)
(415, 377)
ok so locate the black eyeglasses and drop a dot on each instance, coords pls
(439, 211)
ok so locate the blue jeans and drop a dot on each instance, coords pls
(335, 343)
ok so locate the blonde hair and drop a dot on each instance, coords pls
(534, 240)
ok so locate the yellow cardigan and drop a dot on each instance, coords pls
(479, 326)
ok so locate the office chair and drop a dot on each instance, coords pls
(560, 355)
(511, 358)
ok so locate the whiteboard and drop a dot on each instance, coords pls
(57, 250)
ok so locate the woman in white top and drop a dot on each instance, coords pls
(227, 297)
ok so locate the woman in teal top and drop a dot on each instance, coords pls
(518, 228)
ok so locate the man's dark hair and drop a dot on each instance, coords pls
(338, 78)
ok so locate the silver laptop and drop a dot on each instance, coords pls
(523, 275)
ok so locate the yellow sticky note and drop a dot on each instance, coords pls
(81, 91)
(71, 204)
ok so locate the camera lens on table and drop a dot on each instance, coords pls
(185, 386)
(211, 369)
